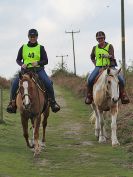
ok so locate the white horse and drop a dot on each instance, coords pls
(105, 98)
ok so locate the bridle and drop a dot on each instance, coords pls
(24, 91)
(109, 77)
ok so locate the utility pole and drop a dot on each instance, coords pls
(123, 37)
(72, 32)
(62, 61)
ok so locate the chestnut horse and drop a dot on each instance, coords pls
(105, 99)
(32, 102)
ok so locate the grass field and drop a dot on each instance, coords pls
(71, 148)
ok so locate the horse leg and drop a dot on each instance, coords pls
(105, 115)
(36, 136)
(102, 138)
(97, 124)
(25, 130)
(44, 125)
(33, 130)
(114, 113)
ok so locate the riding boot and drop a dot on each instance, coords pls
(123, 96)
(11, 108)
(89, 96)
(53, 104)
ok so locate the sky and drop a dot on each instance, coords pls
(52, 18)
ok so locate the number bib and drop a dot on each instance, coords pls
(99, 52)
(31, 54)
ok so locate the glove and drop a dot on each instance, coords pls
(35, 64)
(24, 66)
(106, 56)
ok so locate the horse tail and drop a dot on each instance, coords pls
(92, 118)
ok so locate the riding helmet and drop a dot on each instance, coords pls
(32, 32)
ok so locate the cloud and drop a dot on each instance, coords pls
(130, 2)
(52, 18)
(46, 26)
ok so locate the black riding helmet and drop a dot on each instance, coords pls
(100, 34)
(32, 32)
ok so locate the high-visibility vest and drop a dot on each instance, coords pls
(30, 54)
(100, 61)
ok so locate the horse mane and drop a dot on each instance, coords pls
(103, 76)
(101, 80)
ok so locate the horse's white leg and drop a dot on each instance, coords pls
(105, 115)
(97, 124)
(37, 146)
(104, 132)
(114, 113)
(102, 138)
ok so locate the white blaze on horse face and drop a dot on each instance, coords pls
(26, 99)
(115, 89)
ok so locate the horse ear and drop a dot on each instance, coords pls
(119, 71)
(30, 74)
(108, 71)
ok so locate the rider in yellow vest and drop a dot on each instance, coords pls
(103, 55)
(33, 56)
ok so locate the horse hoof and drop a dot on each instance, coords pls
(31, 142)
(116, 144)
(102, 139)
(37, 151)
(32, 146)
(36, 155)
(43, 145)
(32, 149)
(97, 138)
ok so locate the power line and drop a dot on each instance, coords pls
(72, 32)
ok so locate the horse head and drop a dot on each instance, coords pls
(25, 89)
(112, 84)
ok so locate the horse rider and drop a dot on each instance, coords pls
(103, 55)
(32, 55)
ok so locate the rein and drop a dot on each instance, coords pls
(38, 85)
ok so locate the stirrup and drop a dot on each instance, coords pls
(54, 106)
(88, 100)
(125, 100)
(11, 108)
